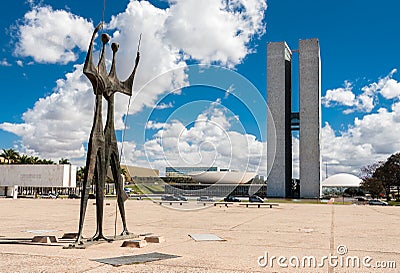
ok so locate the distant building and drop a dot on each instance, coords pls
(212, 181)
(184, 171)
(134, 171)
(210, 175)
(32, 179)
(223, 177)
(134, 174)
(336, 185)
(282, 121)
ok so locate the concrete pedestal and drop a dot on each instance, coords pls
(134, 243)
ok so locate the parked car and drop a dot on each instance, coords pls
(255, 199)
(180, 197)
(49, 195)
(375, 202)
(205, 199)
(128, 190)
(361, 199)
(169, 198)
(92, 196)
(231, 198)
(73, 196)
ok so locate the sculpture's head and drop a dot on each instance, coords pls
(114, 47)
(105, 38)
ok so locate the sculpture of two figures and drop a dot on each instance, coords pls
(102, 148)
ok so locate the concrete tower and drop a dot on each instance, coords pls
(310, 118)
(279, 99)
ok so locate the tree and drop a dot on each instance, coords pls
(64, 161)
(122, 171)
(80, 173)
(10, 155)
(126, 175)
(369, 170)
(13, 157)
(389, 173)
(369, 183)
(380, 177)
(394, 163)
(46, 161)
(373, 186)
(24, 159)
(35, 160)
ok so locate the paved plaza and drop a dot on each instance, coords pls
(293, 232)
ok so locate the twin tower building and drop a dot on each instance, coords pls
(281, 121)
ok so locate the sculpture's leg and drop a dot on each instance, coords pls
(83, 206)
(100, 184)
(96, 182)
(119, 186)
(90, 163)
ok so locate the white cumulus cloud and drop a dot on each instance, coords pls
(54, 127)
(342, 95)
(209, 142)
(58, 124)
(4, 62)
(367, 140)
(154, 125)
(52, 36)
(387, 87)
(162, 106)
(219, 30)
(371, 138)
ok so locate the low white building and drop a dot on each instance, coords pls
(14, 176)
(338, 183)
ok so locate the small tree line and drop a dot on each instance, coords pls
(381, 178)
(10, 156)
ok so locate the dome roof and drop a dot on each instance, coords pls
(342, 180)
(222, 177)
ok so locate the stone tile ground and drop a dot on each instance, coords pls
(291, 230)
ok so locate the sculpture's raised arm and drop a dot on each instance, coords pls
(89, 68)
(127, 85)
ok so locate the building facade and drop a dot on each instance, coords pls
(283, 121)
(16, 178)
(184, 171)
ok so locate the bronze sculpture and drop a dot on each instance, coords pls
(102, 148)
(111, 147)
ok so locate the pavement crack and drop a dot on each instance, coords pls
(245, 222)
(331, 269)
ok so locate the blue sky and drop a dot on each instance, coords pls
(182, 114)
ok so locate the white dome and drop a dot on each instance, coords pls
(222, 177)
(342, 180)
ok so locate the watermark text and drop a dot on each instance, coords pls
(340, 259)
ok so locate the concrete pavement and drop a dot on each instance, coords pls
(295, 232)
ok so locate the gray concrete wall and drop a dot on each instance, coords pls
(310, 118)
(279, 158)
(37, 175)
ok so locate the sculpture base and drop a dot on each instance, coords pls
(45, 239)
(134, 243)
(89, 242)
